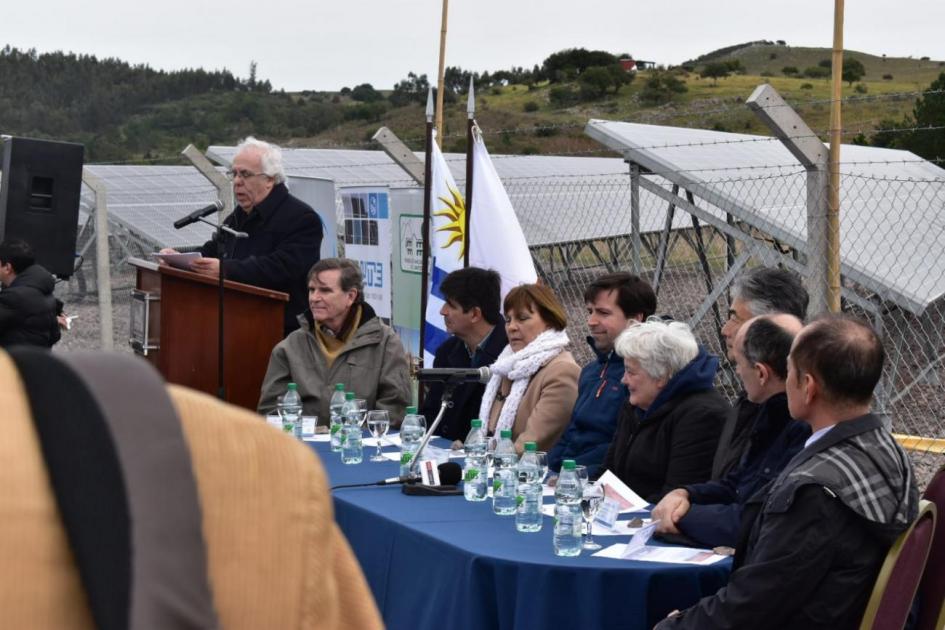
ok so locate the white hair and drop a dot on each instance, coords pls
(270, 157)
(661, 348)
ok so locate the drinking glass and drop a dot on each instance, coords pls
(378, 422)
(591, 500)
(543, 462)
(581, 471)
(358, 411)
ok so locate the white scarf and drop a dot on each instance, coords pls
(519, 367)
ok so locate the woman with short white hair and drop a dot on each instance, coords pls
(669, 427)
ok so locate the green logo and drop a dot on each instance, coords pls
(405, 458)
(471, 474)
(344, 438)
(335, 428)
(496, 485)
(519, 500)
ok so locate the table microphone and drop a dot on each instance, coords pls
(455, 375)
(450, 475)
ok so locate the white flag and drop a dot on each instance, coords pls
(447, 238)
(496, 240)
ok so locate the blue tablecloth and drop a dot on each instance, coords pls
(443, 562)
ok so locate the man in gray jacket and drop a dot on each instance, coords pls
(341, 340)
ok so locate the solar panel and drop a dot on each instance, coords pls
(889, 232)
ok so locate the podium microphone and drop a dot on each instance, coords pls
(196, 215)
(455, 375)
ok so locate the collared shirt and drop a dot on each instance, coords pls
(818, 434)
(475, 351)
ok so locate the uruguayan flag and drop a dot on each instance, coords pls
(496, 240)
(447, 240)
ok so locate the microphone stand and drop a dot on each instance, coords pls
(449, 385)
(221, 251)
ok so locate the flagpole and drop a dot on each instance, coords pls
(470, 123)
(440, 76)
(425, 229)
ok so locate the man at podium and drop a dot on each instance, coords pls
(284, 232)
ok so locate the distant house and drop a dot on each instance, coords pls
(632, 65)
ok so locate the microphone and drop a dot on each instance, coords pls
(196, 215)
(455, 375)
(450, 474)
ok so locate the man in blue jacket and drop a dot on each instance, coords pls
(472, 315)
(710, 513)
(613, 301)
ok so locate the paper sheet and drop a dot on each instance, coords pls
(670, 555)
(617, 490)
(180, 261)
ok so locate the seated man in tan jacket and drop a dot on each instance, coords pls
(128, 505)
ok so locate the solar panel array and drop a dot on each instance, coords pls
(887, 233)
(558, 199)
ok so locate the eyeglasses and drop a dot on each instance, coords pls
(243, 174)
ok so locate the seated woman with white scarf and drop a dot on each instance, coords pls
(534, 381)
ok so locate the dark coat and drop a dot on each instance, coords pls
(28, 310)
(468, 396)
(734, 438)
(594, 419)
(715, 514)
(672, 443)
(285, 238)
(810, 557)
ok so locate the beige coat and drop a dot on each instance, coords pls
(546, 407)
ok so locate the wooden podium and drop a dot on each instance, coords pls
(174, 326)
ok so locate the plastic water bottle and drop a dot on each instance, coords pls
(411, 434)
(352, 450)
(504, 481)
(336, 405)
(476, 468)
(345, 410)
(568, 518)
(291, 411)
(528, 493)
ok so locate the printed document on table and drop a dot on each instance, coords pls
(180, 261)
(616, 490)
(670, 555)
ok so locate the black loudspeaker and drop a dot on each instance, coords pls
(39, 199)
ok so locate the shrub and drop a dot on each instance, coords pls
(817, 72)
(790, 70)
(530, 106)
(887, 77)
(860, 89)
(563, 95)
(807, 86)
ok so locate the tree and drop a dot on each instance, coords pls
(595, 81)
(413, 89)
(661, 87)
(853, 71)
(816, 72)
(929, 111)
(715, 71)
(365, 93)
(568, 64)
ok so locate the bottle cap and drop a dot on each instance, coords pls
(476, 423)
(568, 464)
(531, 447)
(349, 395)
(292, 387)
(339, 387)
(411, 411)
(505, 433)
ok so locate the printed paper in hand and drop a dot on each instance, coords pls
(180, 261)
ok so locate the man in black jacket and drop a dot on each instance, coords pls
(28, 308)
(760, 291)
(471, 314)
(285, 233)
(710, 513)
(817, 536)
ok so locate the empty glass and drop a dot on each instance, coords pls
(378, 422)
(591, 500)
(543, 462)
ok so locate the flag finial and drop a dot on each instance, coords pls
(430, 104)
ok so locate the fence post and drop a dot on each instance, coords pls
(103, 271)
(220, 181)
(635, 217)
(400, 153)
(790, 128)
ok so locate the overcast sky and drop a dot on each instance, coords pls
(327, 45)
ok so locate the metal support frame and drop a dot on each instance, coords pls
(635, 216)
(219, 181)
(400, 153)
(103, 271)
